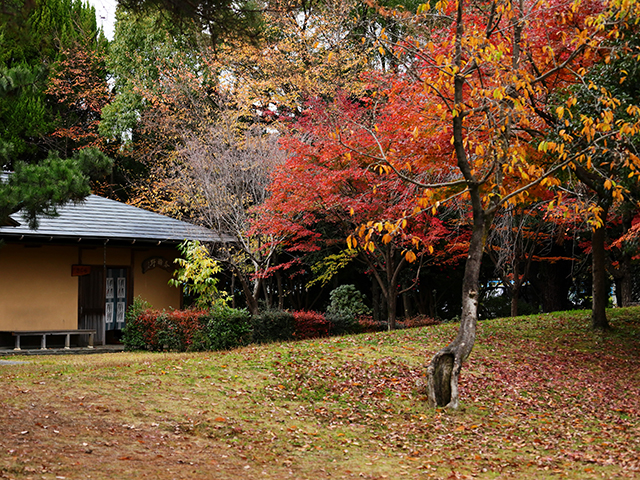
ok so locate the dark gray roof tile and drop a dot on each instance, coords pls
(99, 218)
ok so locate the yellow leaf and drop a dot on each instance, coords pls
(607, 184)
(381, 50)
(410, 256)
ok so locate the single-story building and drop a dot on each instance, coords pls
(81, 269)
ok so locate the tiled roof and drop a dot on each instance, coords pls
(98, 218)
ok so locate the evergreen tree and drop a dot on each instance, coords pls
(35, 38)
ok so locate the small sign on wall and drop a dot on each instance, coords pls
(80, 270)
(153, 262)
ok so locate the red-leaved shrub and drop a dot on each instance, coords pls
(417, 321)
(159, 329)
(310, 325)
(367, 324)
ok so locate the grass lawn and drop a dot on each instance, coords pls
(542, 397)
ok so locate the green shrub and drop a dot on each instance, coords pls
(227, 327)
(273, 325)
(346, 304)
(133, 333)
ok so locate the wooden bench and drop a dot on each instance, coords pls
(44, 333)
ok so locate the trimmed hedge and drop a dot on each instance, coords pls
(221, 328)
(224, 328)
(272, 326)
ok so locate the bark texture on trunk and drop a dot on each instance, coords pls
(621, 272)
(625, 289)
(552, 282)
(599, 292)
(515, 297)
(250, 295)
(387, 282)
(391, 309)
(376, 300)
(599, 280)
(443, 372)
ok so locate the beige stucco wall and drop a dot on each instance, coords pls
(37, 289)
(152, 286)
(115, 256)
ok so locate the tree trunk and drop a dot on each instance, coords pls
(280, 290)
(375, 299)
(552, 284)
(444, 369)
(391, 313)
(433, 303)
(515, 296)
(252, 301)
(599, 292)
(625, 295)
(406, 300)
(267, 292)
(233, 291)
(599, 278)
(623, 280)
(515, 289)
(392, 305)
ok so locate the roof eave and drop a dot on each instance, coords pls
(93, 240)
